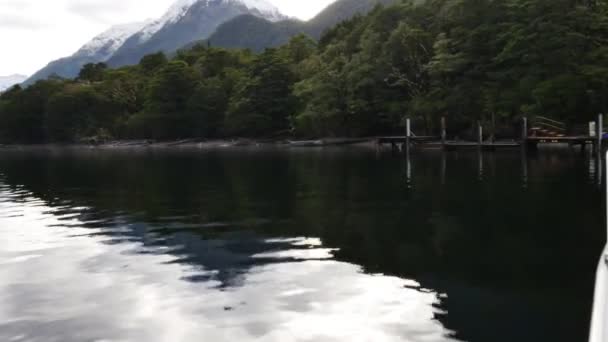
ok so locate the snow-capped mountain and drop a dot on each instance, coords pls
(265, 9)
(11, 80)
(104, 45)
(184, 22)
(175, 12)
(187, 21)
(98, 49)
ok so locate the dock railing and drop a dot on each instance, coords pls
(545, 126)
(599, 319)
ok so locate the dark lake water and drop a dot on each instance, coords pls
(300, 245)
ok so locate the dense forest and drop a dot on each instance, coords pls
(466, 60)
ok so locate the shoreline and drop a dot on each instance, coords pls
(202, 144)
(369, 143)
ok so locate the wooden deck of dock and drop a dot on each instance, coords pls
(573, 140)
(554, 132)
(403, 139)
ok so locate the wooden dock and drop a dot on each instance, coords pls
(403, 139)
(487, 146)
(544, 132)
(428, 143)
(572, 140)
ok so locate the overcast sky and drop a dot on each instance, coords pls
(34, 32)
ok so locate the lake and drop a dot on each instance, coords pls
(335, 244)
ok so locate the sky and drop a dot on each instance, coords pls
(35, 32)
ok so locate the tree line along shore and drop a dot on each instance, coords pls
(492, 61)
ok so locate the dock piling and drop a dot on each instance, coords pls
(493, 136)
(408, 134)
(443, 131)
(600, 132)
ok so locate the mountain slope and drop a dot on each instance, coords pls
(250, 32)
(340, 11)
(198, 20)
(99, 49)
(253, 24)
(185, 21)
(11, 80)
(257, 34)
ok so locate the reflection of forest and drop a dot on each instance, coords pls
(504, 254)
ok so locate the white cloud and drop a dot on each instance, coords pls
(104, 12)
(34, 32)
(303, 9)
(15, 22)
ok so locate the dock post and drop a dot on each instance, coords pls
(493, 137)
(443, 166)
(480, 133)
(480, 165)
(408, 134)
(524, 134)
(524, 152)
(443, 131)
(600, 131)
(524, 167)
(408, 168)
(600, 170)
(524, 130)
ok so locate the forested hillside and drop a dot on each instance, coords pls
(463, 59)
(248, 31)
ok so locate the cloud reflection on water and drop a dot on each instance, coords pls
(64, 282)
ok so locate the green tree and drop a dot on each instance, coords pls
(153, 62)
(167, 100)
(22, 112)
(76, 112)
(92, 72)
(207, 107)
(263, 103)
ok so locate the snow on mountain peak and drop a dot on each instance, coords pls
(268, 10)
(174, 13)
(105, 44)
(181, 7)
(177, 10)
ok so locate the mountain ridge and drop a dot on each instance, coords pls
(183, 22)
(199, 21)
(98, 49)
(252, 24)
(257, 34)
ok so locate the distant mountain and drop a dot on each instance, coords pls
(99, 49)
(11, 80)
(196, 20)
(257, 34)
(254, 24)
(184, 22)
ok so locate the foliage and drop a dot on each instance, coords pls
(263, 99)
(465, 60)
(92, 72)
